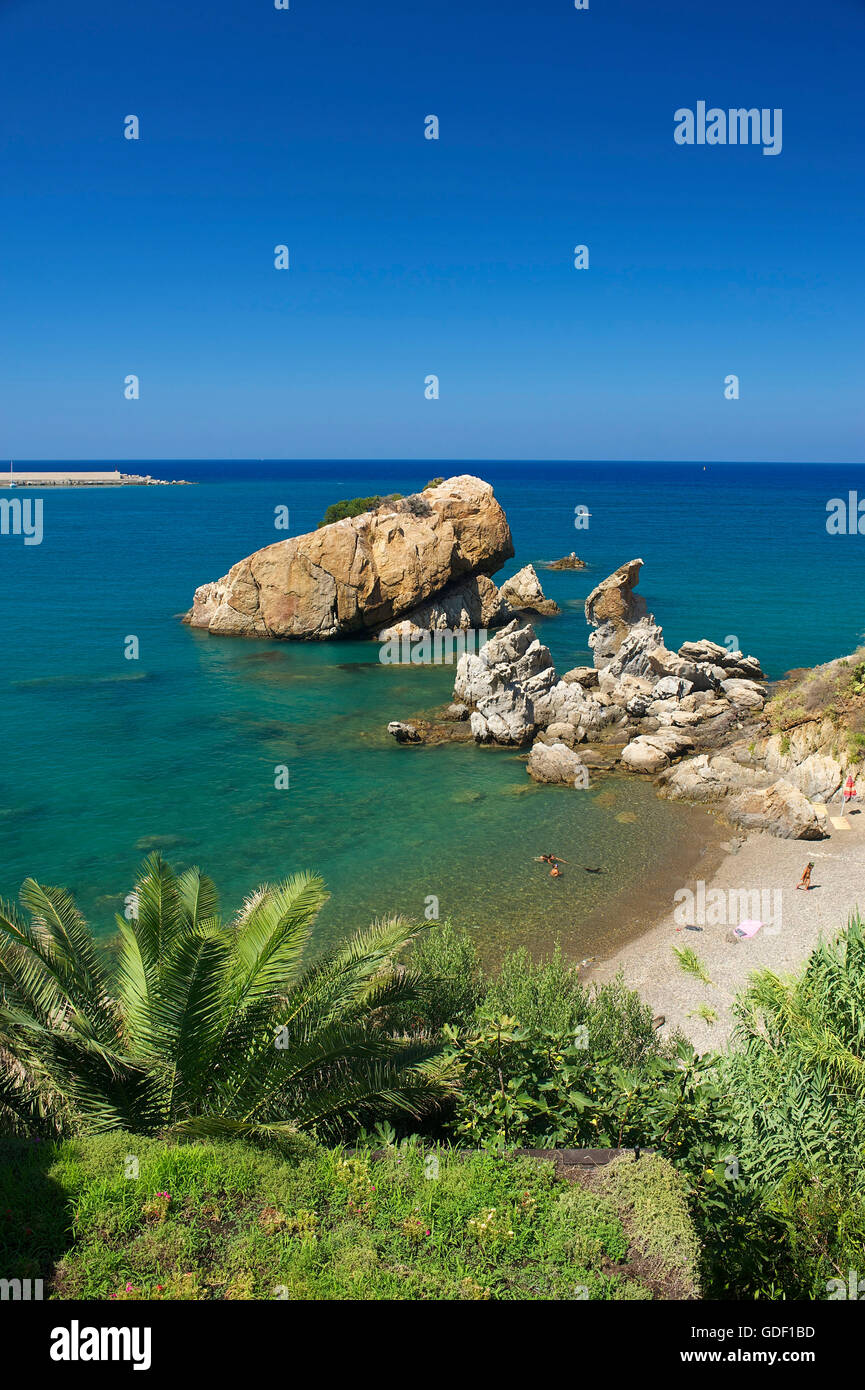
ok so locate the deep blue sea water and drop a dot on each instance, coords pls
(104, 757)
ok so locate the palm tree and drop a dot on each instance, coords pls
(203, 1027)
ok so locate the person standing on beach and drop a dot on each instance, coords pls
(849, 791)
(805, 880)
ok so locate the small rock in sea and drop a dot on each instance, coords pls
(458, 712)
(403, 733)
(626, 818)
(467, 795)
(568, 562)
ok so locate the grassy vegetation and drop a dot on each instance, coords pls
(835, 691)
(121, 1217)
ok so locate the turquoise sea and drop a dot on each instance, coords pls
(105, 757)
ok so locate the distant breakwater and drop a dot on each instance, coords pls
(35, 477)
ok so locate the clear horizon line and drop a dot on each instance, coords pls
(398, 458)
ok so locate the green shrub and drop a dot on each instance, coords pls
(550, 996)
(353, 506)
(449, 981)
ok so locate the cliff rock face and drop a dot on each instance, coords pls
(475, 603)
(361, 573)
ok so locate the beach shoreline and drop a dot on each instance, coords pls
(757, 863)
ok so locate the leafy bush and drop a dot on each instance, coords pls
(796, 1075)
(355, 506)
(450, 985)
(653, 1200)
(550, 996)
(545, 995)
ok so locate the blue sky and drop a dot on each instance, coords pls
(411, 257)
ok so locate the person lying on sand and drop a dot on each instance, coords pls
(805, 880)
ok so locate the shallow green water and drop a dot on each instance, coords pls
(105, 758)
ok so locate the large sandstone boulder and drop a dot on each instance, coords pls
(361, 573)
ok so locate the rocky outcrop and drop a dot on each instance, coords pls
(618, 614)
(501, 684)
(568, 562)
(363, 572)
(475, 603)
(802, 769)
(711, 777)
(514, 693)
(693, 719)
(628, 641)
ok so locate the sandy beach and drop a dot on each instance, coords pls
(794, 920)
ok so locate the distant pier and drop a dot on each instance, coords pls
(69, 477)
